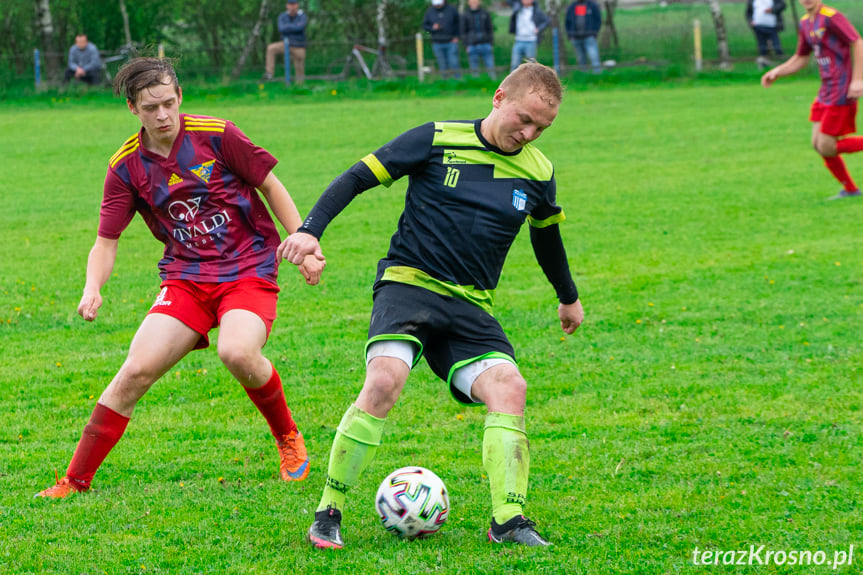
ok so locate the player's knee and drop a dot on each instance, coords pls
(382, 380)
(237, 358)
(514, 386)
(826, 147)
(136, 376)
(384, 383)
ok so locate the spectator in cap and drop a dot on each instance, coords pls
(292, 27)
(442, 22)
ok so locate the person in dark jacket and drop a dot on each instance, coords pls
(765, 19)
(478, 36)
(527, 23)
(583, 20)
(292, 27)
(442, 22)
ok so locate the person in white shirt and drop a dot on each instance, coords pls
(765, 19)
(527, 23)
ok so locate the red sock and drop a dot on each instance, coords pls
(850, 145)
(270, 401)
(836, 165)
(100, 435)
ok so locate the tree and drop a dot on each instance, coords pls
(253, 39)
(721, 32)
(45, 25)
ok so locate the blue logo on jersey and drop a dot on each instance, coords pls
(203, 171)
(519, 199)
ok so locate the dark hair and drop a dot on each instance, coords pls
(142, 73)
(533, 77)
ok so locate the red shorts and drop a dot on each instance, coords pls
(202, 305)
(835, 121)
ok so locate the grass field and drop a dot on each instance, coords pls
(711, 400)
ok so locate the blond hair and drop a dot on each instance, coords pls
(532, 77)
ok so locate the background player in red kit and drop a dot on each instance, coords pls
(838, 50)
(193, 180)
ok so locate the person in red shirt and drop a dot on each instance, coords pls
(195, 181)
(838, 50)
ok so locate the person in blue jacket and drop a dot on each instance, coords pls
(84, 63)
(583, 20)
(292, 27)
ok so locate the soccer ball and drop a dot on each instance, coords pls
(412, 502)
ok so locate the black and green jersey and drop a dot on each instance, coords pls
(466, 201)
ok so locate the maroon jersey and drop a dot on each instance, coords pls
(829, 36)
(200, 202)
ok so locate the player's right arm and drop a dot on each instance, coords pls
(389, 163)
(100, 264)
(118, 208)
(794, 64)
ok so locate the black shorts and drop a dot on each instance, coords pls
(450, 332)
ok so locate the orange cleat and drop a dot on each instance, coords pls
(294, 465)
(63, 488)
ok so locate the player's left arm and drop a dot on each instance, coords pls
(855, 88)
(286, 212)
(551, 255)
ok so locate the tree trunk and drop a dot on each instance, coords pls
(125, 16)
(608, 35)
(253, 39)
(381, 17)
(45, 25)
(721, 32)
(552, 8)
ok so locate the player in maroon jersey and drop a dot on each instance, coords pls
(193, 179)
(838, 50)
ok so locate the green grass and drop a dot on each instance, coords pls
(712, 398)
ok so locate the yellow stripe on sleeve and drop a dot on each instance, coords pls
(378, 170)
(119, 156)
(131, 142)
(555, 219)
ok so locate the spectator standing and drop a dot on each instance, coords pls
(583, 20)
(442, 22)
(477, 35)
(85, 64)
(765, 19)
(527, 23)
(292, 27)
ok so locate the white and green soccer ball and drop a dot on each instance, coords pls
(412, 502)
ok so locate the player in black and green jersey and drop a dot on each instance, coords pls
(471, 187)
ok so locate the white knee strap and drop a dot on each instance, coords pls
(397, 348)
(464, 377)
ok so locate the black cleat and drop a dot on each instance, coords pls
(326, 531)
(519, 530)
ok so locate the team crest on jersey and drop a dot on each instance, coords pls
(519, 199)
(174, 180)
(203, 171)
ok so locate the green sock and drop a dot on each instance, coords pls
(357, 439)
(506, 459)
